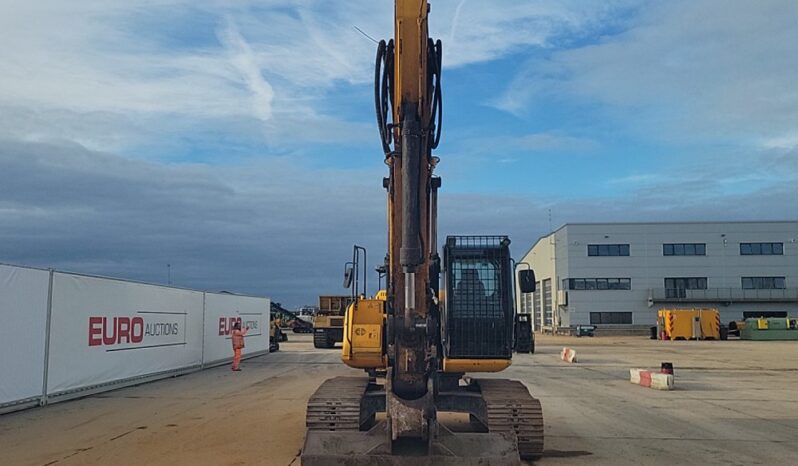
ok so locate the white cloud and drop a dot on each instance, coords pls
(243, 59)
(686, 71)
(636, 180)
(73, 57)
(483, 31)
(510, 148)
(94, 73)
(251, 227)
(273, 61)
(552, 141)
(248, 227)
(101, 58)
(785, 141)
(717, 178)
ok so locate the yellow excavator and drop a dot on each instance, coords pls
(437, 319)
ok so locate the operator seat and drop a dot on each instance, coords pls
(470, 283)
(469, 294)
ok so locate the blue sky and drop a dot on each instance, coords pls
(236, 140)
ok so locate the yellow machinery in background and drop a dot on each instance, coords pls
(689, 324)
(439, 317)
(328, 323)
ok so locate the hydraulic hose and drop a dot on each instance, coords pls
(435, 62)
(383, 92)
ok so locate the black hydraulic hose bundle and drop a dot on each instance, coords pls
(384, 86)
(383, 92)
(435, 61)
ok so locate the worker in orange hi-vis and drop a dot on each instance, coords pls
(238, 344)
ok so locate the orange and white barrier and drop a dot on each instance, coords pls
(568, 355)
(651, 379)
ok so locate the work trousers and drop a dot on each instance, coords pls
(236, 358)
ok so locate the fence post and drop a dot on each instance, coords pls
(202, 360)
(43, 400)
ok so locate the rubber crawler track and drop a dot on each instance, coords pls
(322, 340)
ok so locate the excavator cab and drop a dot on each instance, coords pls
(477, 314)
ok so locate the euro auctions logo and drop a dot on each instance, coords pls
(226, 324)
(252, 321)
(149, 329)
(122, 330)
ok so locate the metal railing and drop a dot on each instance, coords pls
(724, 295)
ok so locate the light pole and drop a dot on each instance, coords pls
(381, 271)
(723, 273)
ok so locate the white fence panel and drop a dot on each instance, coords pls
(221, 311)
(107, 331)
(23, 308)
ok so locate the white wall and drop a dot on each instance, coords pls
(23, 307)
(221, 311)
(65, 335)
(105, 330)
(647, 267)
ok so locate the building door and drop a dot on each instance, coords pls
(536, 307)
(547, 304)
(526, 303)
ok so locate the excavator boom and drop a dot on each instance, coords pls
(409, 189)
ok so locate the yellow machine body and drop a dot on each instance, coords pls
(364, 348)
(364, 330)
(475, 365)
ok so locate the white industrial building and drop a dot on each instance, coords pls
(617, 275)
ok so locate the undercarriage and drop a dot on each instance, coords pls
(346, 426)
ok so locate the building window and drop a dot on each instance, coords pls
(597, 283)
(684, 249)
(616, 318)
(675, 287)
(607, 249)
(761, 249)
(764, 283)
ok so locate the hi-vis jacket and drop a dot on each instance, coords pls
(238, 338)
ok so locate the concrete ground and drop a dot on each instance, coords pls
(735, 404)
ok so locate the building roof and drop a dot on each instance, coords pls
(564, 225)
(677, 223)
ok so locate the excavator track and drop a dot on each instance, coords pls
(511, 407)
(336, 405)
(321, 340)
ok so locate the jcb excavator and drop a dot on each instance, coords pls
(416, 341)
